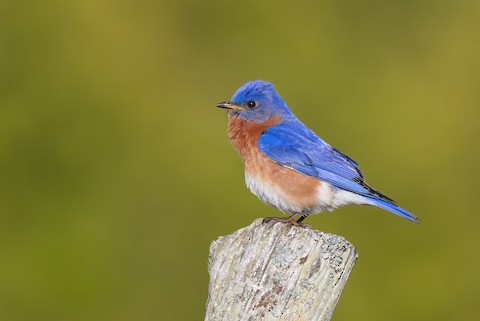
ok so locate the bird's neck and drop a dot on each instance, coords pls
(244, 134)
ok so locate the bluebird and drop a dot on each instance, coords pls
(287, 165)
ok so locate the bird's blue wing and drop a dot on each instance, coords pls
(293, 145)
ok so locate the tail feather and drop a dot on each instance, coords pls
(386, 205)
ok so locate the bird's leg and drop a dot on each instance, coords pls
(304, 216)
(294, 219)
(291, 219)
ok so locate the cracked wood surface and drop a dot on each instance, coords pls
(276, 271)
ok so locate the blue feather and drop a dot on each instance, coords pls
(293, 145)
(395, 209)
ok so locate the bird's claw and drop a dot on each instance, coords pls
(292, 220)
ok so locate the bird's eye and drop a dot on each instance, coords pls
(251, 104)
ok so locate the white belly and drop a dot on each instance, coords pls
(326, 197)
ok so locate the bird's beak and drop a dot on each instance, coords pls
(229, 105)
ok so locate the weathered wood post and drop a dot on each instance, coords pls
(276, 271)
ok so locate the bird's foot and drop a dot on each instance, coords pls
(294, 219)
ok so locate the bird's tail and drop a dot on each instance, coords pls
(386, 205)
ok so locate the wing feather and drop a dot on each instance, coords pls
(293, 145)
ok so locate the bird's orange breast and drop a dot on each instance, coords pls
(244, 134)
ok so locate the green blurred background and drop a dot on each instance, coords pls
(116, 172)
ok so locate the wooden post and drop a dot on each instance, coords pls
(276, 271)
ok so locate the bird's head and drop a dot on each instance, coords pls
(256, 101)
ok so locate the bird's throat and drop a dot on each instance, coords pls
(244, 134)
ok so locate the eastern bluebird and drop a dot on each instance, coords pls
(289, 167)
